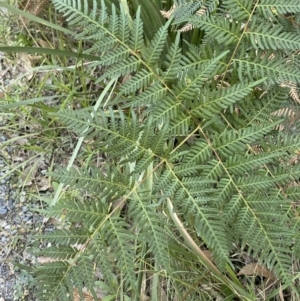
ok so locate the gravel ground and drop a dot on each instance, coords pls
(17, 223)
(8, 230)
(18, 220)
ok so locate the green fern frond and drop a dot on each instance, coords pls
(268, 37)
(259, 183)
(206, 222)
(238, 9)
(186, 9)
(114, 56)
(259, 110)
(150, 96)
(198, 153)
(90, 212)
(212, 170)
(47, 282)
(233, 142)
(149, 224)
(276, 69)
(124, 28)
(122, 69)
(293, 192)
(213, 102)
(221, 29)
(136, 41)
(104, 258)
(154, 51)
(242, 165)
(106, 185)
(173, 61)
(261, 234)
(139, 81)
(270, 8)
(192, 122)
(195, 77)
(66, 237)
(122, 242)
(59, 253)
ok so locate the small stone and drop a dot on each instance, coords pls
(3, 224)
(3, 211)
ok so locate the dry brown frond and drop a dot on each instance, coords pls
(187, 27)
(293, 91)
(284, 112)
(168, 14)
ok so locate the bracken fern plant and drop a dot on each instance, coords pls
(197, 130)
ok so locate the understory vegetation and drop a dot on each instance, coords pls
(172, 136)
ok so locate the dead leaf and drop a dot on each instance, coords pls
(255, 269)
(22, 141)
(86, 295)
(25, 64)
(44, 44)
(208, 254)
(44, 184)
(30, 172)
(55, 222)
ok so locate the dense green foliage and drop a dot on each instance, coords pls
(198, 136)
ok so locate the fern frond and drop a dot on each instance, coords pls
(205, 221)
(196, 122)
(233, 142)
(261, 234)
(139, 81)
(104, 258)
(90, 212)
(108, 185)
(66, 237)
(121, 241)
(198, 153)
(136, 40)
(270, 8)
(59, 253)
(148, 97)
(122, 69)
(149, 224)
(213, 102)
(221, 29)
(242, 165)
(114, 56)
(277, 70)
(268, 37)
(238, 9)
(260, 110)
(197, 76)
(186, 9)
(173, 61)
(153, 52)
